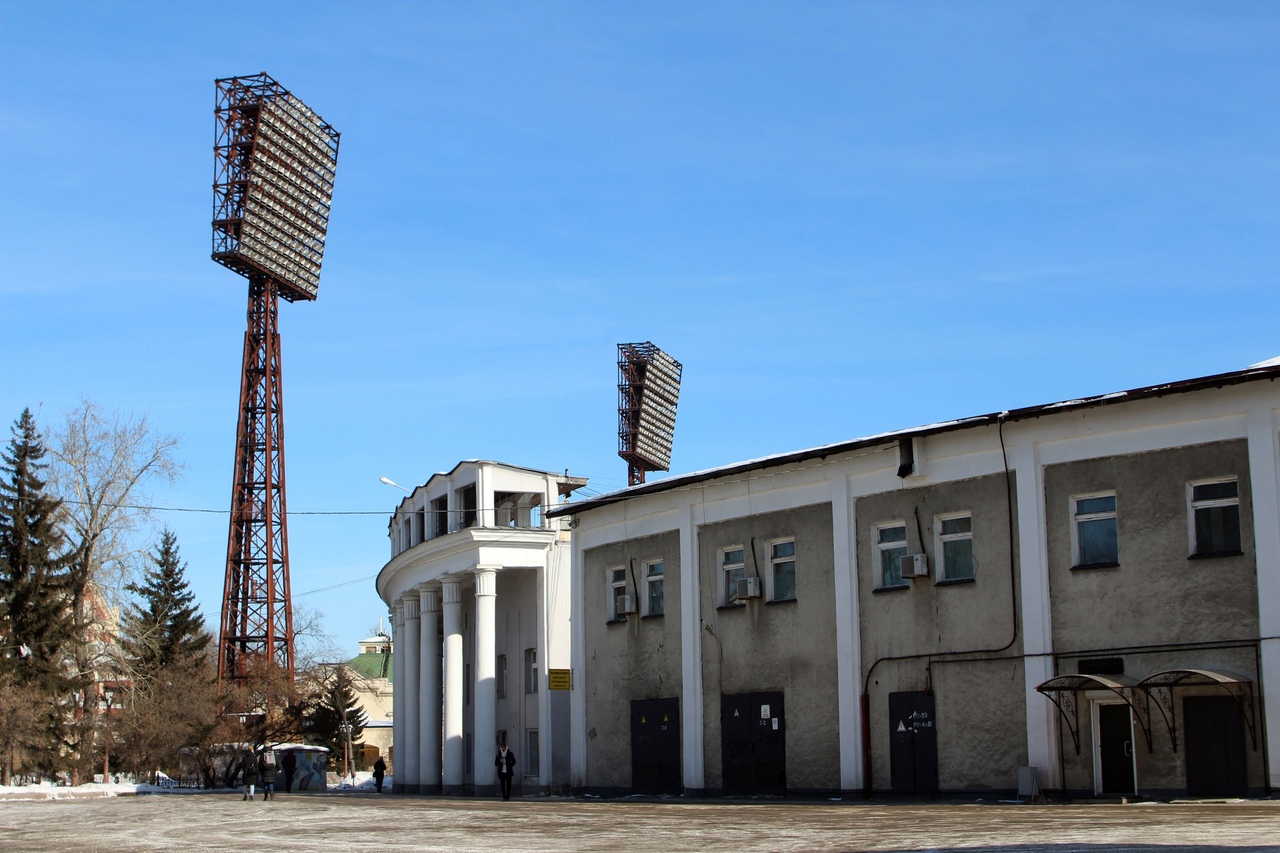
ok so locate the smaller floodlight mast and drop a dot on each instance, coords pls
(274, 162)
(648, 392)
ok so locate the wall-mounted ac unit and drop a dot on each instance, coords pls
(913, 566)
(748, 588)
(626, 604)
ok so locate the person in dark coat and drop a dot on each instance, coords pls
(290, 764)
(249, 768)
(506, 764)
(267, 772)
(379, 771)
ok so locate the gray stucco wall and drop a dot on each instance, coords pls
(981, 712)
(1156, 594)
(784, 646)
(633, 658)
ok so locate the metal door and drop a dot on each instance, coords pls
(655, 746)
(913, 743)
(753, 743)
(1115, 749)
(1214, 733)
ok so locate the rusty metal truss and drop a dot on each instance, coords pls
(257, 609)
(648, 394)
(274, 166)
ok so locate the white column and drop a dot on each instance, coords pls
(848, 637)
(1264, 477)
(451, 591)
(486, 698)
(429, 691)
(578, 666)
(397, 695)
(691, 711)
(1037, 627)
(409, 766)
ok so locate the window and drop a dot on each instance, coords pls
(782, 569)
(1094, 537)
(421, 527)
(891, 543)
(466, 507)
(1215, 518)
(440, 515)
(955, 547)
(732, 570)
(654, 580)
(617, 589)
(530, 670)
(500, 677)
(531, 751)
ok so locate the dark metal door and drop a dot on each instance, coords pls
(753, 743)
(655, 746)
(913, 743)
(1115, 749)
(1214, 732)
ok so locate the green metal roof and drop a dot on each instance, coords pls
(370, 665)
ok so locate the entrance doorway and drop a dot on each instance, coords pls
(1214, 732)
(1114, 750)
(753, 745)
(655, 746)
(913, 743)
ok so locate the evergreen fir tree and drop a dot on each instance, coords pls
(334, 705)
(36, 625)
(165, 629)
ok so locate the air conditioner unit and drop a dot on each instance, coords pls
(913, 566)
(748, 588)
(626, 604)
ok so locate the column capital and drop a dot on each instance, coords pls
(486, 580)
(429, 595)
(397, 615)
(451, 590)
(411, 609)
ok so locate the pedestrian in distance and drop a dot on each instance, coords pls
(379, 771)
(249, 769)
(506, 764)
(267, 772)
(290, 764)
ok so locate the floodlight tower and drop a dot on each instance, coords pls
(648, 392)
(274, 162)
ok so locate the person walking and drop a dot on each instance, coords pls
(379, 772)
(506, 763)
(249, 769)
(290, 764)
(267, 772)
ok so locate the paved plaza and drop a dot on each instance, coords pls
(336, 823)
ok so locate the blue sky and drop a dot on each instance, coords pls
(842, 218)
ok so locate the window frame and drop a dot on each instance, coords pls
(879, 546)
(1077, 517)
(611, 592)
(533, 753)
(728, 591)
(650, 581)
(776, 560)
(940, 550)
(1194, 551)
(531, 671)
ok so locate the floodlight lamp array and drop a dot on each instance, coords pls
(648, 394)
(273, 188)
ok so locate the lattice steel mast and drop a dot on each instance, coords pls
(273, 184)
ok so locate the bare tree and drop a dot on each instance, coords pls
(103, 464)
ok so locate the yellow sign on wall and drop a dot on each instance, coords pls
(559, 679)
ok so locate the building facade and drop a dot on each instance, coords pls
(478, 588)
(1089, 589)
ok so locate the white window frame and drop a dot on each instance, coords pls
(650, 581)
(939, 546)
(612, 591)
(1193, 505)
(1077, 517)
(775, 561)
(729, 597)
(880, 547)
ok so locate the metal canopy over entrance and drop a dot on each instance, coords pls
(1162, 685)
(1061, 691)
